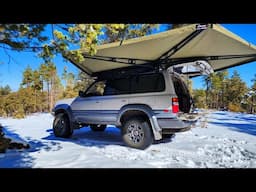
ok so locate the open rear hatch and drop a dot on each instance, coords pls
(180, 74)
(184, 100)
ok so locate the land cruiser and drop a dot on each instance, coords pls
(146, 107)
(151, 101)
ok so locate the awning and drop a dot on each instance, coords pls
(212, 43)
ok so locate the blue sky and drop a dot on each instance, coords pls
(246, 71)
(11, 73)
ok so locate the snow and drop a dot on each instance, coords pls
(227, 142)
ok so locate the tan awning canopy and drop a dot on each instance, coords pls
(215, 44)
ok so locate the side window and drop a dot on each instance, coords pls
(97, 89)
(117, 87)
(148, 83)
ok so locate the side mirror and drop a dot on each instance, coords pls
(81, 93)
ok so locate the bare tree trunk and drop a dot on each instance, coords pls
(35, 109)
(48, 95)
(207, 94)
(52, 91)
(252, 108)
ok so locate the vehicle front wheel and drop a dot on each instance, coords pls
(98, 127)
(137, 133)
(61, 126)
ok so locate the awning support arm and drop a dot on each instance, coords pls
(175, 61)
(169, 62)
(123, 60)
(178, 46)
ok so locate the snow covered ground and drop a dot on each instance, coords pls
(227, 142)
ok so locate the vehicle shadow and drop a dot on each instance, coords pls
(248, 119)
(245, 128)
(86, 137)
(165, 140)
(239, 118)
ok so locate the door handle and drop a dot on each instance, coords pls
(97, 102)
(123, 100)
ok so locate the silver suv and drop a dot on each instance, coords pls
(146, 107)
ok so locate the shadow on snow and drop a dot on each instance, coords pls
(251, 120)
(14, 158)
(240, 127)
(86, 137)
(249, 127)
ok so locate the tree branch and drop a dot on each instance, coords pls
(61, 27)
(9, 56)
(29, 48)
(53, 37)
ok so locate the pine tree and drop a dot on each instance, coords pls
(83, 81)
(5, 90)
(199, 98)
(37, 86)
(216, 84)
(120, 32)
(27, 103)
(30, 37)
(252, 97)
(236, 90)
(48, 73)
(2, 106)
(27, 77)
(69, 89)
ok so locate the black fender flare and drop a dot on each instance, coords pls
(145, 109)
(136, 107)
(67, 110)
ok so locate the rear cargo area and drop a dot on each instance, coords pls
(183, 94)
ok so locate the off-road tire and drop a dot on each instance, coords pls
(61, 126)
(137, 133)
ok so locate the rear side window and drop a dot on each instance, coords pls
(148, 83)
(117, 87)
(135, 84)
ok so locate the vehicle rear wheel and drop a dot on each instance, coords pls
(98, 127)
(61, 126)
(137, 133)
